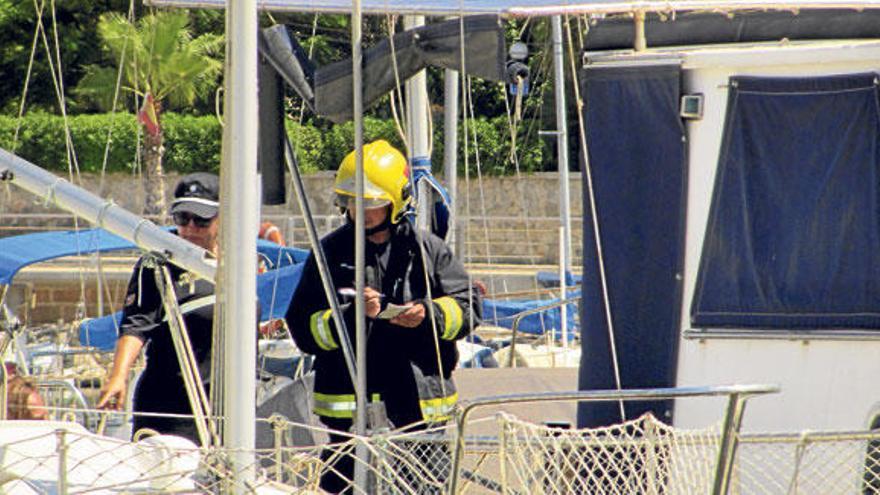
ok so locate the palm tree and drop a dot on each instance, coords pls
(163, 63)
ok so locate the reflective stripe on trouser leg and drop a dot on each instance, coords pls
(337, 405)
(438, 409)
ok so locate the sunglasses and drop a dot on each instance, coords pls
(182, 218)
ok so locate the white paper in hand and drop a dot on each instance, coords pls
(392, 310)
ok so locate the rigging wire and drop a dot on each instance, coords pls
(302, 108)
(454, 216)
(101, 279)
(587, 170)
(27, 79)
(512, 127)
(55, 69)
(519, 181)
(58, 79)
(398, 91)
(469, 110)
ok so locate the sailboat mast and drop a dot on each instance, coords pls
(562, 142)
(450, 150)
(360, 425)
(236, 308)
(417, 130)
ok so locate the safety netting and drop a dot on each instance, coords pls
(642, 455)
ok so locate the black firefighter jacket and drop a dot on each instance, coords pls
(403, 368)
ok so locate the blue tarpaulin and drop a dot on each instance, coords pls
(637, 156)
(792, 239)
(502, 314)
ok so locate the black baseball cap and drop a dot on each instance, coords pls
(197, 193)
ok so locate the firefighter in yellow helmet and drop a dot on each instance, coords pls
(418, 299)
(386, 180)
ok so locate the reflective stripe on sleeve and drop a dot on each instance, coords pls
(452, 317)
(320, 326)
(439, 409)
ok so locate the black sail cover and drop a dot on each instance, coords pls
(702, 28)
(638, 163)
(329, 91)
(270, 154)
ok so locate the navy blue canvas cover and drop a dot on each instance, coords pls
(636, 149)
(792, 240)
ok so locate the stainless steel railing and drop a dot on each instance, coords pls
(737, 395)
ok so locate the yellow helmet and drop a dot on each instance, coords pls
(385, 178)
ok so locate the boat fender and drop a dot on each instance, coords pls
(271, 233)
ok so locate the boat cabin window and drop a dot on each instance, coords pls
(793, 237)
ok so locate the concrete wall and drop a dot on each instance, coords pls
(505, 219)
(532, 195)
(508, 221)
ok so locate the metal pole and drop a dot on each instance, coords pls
(360, 471)
(320, 260)
(729, 441)
(61, 447)
(417, 126)
(4, 382)
(238, 241)
(563, 309)
(562, 143)
(450, 149)
(640, 43)
(114, 219)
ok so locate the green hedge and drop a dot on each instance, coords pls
(193, 143)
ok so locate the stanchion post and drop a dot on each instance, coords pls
(61, 449)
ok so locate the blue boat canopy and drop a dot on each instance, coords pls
(20, 251)
(275, 287)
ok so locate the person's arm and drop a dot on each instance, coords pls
(114, 392)
(457, 306)
(141, 314)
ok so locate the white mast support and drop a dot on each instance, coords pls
(450, 150)
(640, 43)
(107, 215)
(360, 319)
(417, 130)
(562, 159)
(236, 287)
(563, 293)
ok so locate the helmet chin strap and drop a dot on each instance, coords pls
(385, 225)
